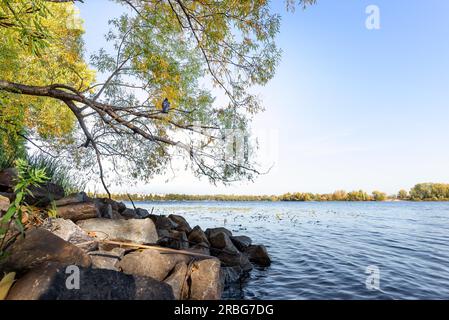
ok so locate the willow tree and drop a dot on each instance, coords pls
(179, 50)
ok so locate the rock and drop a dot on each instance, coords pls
(49, 283)
(40, 246)
(230, 275)
(129, 214)
(201, 248)
(72, 199)
(174, 239)
(151, 263)
(78, 211)
(177, 280)
(241, 242)
(233, 260)
(212, 231)
(69, 231)
(44, 194)
(182, 223)
(205, 280)
(220, 240)
(107, 259)
(121, 207)
(259, 255)
(198, 236)
(164, 223)
(4, 204)
(132, 230)
(8, 179)
(142, 213)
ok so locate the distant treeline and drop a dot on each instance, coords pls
(420, 192)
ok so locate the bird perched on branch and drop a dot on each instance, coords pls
(165, 106)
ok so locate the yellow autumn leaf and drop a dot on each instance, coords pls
(6, 284)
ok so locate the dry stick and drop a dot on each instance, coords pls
(154, 247)
(129, 197)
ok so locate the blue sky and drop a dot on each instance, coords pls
(353, 108)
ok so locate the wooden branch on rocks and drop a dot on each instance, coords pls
(157, 248)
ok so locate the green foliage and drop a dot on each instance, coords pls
(27, 177)
(58, 173)
(430, 192)
(403, 195)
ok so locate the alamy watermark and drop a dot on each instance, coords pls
(372, 22)
(373, 279)
(72, 282)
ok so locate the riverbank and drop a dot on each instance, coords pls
(107, 250)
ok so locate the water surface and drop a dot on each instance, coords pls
(320, 250)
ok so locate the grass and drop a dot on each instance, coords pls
(58, 173)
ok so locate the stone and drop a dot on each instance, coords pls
(241, 242)
(8, 179)
(162, 222)
(141, 231)
(142, 213)
(40, 246)
(4, 204)
(205, 280)
(121, 207)
(129, 214)
(220, 240)
(177, 280)
(44, 194)
(78, 211)
(72, 199)
(233, 260)
(151, 263)
(212, 231)
(174, 239)
(182, 223)
(49, 283)
(9, 195)
(197, 235)
(107, 259)
(258, 254)
(69, 231)
(230, 275)
(201, 248)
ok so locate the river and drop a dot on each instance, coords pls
(328, 250)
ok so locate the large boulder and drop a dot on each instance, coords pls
(178, 280)
(138, 213)
(221, 240)
(241, 242)
(44, 194)
(258, 254)
(201, 248)
(132, 230)
(49, 283)
(205, 280)
(4, 204)
(151, 263)
(8, 178)
(40, 246)
(197, 235)
(72, 199)
(212, 231)
(69, 231)
(231, 275)
(164, 223)
(107, 259)
(182, 223)
(78, 211)
(238, 260)
(173, 239)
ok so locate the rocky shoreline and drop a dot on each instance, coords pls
(120, 252)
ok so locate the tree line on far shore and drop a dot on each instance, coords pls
(420, 192)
